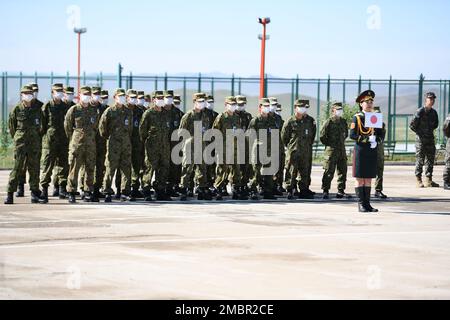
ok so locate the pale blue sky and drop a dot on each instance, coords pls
(311, 38)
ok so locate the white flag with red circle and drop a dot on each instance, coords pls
(373, 120)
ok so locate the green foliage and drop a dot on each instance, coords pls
(5, 140)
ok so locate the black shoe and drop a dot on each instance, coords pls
(190, 193)
(277, 192)
(341, 194)
(281, 189)
(44, 196)
(296, 193)
(380, 195)
(72, 197)
(254, 196)
(108, 198)
(20, 191)
(55, 191)
(118, 196)
(35, 197)
(367, 197)
(305, 195)
(62, 192)
(224, 192)
(147, 194)
(9, 198)
(359, 191)
(290, 194)
(235, 195)
(242, 194)
(87, 196)
(268, 195)
(83, 194)
(219, 196)
(136, 193)
(446, 186)
(200, 196)
(308, 191)
(326, 195)
(129, 198)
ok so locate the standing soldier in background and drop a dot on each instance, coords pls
(265, 182)
(154, 132)
(446, 129)
(279, 122)
(25, 127)
(246, 117)
(100, 144)
(116, 125)
(190, 168)
(228, 120)
(380, 161)
(148, 101)
(81, 124)
(423, 124)
(333, 135)
(174, 116)
(57, 170)
(211, 168)
(55, 143)
(298, 136)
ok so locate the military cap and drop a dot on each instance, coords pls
(230, 100)
(34, 86)
(209, 98)
(132, 93)
(199, 96)
(279, 107)
(158, 94)
(57, 87)
(273, 100)
(26, 89)
(337, 105)
(168, 93)
(120, 92)
(430, 95)
(365, 96)
(176, 98)
(105, 94)
(241, 99)
(69, 90)
(377, 109)
(301, 103)
(141, 94)
(96, 90)
(85, 90)
(264, 101)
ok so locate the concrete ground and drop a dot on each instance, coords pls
(231, 250)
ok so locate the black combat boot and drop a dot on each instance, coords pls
(447, 186)
(361, 199)
(72, 198)
(136, 193)
(55, 191)
(63, 192)
(326, 195)
(341, 194)
(108, 198)
(254, 195)
(200, 194)
(380, 195)
(9, 198)
(118, 195)
(367, 191)
(35, 196)
(87, 196)
(147, 195)
(44, 195)
(290, 194)
(268, 194)
(277, 192)
(242, 194)
(207, 195)
(190, 192)
(183, 194)
(304, 194)
(20, 191)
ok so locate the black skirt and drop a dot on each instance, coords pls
(364, 161)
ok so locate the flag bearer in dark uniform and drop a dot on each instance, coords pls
(365, 153)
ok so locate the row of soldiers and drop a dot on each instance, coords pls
(130, 142)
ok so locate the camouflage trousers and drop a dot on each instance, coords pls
(228, 173)
(79, 157)
(157, 165)
(25, 158)
(425, 155)
(55, 158)
(118, 158)
(174, 172)
(259, 179)
(298, 167)
(137, 162)
(336, 159)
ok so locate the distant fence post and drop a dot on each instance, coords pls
(165, 81)
(390, 110)
(232, 84)
(328, 88)
(297, 83)
(343, 92)
(199, 82)
(419, 100)
(119, 76)
(67, 78)
(359, 85)
(184, 94)
(318, 109)
(292, 97)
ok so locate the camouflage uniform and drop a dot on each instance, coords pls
(100, 148)
(333, 135)
(25, 127)
(116, 125)
(137, 149)
(278, 178)
(211, 168)
(191, 170)
(446, 129)
(298, 136)
(246, 117)
(423, 124)
(81, 125)
(55, 145)
(154, 132)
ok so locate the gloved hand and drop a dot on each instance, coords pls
(372, 139)
(373, 145)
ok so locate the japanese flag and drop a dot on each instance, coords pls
(373, 120)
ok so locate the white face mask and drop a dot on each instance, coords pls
(339, 113)
(168, 101)
(200, 105)
(96, 98)
(141, 102)
(27, 97)
(273, 108)
(159, 103)
(210, 105)
(58, 95)
(146, 104)
(266, 110)
(121, 100)
(241, 107)
(85, 98)
(132, 101)
(69, 97)
(104, 101)
(231, 107)
(301, 110)
(35, 95)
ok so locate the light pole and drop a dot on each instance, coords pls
(79, 31)
(263, 37)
